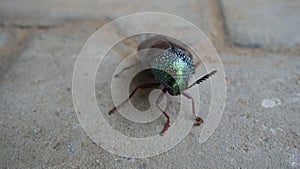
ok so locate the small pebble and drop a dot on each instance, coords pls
(270, 103)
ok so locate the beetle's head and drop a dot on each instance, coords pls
(174, 91)
(175, 85)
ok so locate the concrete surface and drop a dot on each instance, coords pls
(269, 24)
(95, 9)
(39, 128)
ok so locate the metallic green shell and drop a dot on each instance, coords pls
(173, 69)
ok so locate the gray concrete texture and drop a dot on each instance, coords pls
(259, 24)
(258, 43)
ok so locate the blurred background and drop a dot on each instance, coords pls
(258, 42)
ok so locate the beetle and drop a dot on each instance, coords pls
(171, 66)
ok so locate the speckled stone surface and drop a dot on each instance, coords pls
(39, 128)
(268, 24)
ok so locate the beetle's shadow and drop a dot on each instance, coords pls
(141, 99)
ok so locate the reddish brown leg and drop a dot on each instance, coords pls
(158, 100)
(126, 68)
(196, 64)
(142, 86)
(199, 120)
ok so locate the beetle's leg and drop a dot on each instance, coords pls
(196, 65)
(141, 86)
(126, 68)
(158, 100)
(199, 120)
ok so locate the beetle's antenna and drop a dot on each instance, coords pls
(203, 78)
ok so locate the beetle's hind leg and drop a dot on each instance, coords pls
(158, 100)
(124, 69)
(199, 120)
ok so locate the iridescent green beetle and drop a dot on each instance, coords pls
(171, 66)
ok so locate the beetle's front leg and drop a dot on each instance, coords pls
(159, 99)
(199, 120)
(196, 65)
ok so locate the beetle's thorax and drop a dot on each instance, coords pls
(172, 68)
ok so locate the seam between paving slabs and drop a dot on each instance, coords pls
(225, 44)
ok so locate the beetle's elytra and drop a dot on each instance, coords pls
(171, 68)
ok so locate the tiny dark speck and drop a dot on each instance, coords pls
(57, 114)
(56, 145)
(69, 89)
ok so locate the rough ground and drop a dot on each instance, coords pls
(257, 42)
